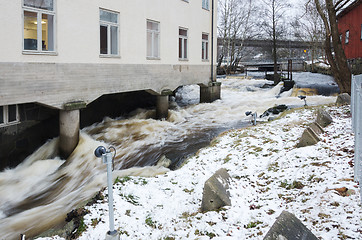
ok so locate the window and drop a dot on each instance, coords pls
(182, 41)
(39, 25)
(153, 39)
(361, 31)
(205, 47)
(108, 32)
(347, 37)
(205, 4)
(9, 115)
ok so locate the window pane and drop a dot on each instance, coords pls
(180, 47)
(103, 40)
(203, 50)
(1, 114)
(205, 36)
(156, 44)
(114, 40)
(152, 25)
(207, 50)
(42, 4)
(47, 23)
(12, 113)
(108, 16)
(30, 30)
(185, 48)
(183, 32)
(149, 44)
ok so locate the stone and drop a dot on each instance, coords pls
(289, 227)
(215, 194)
(343, 99)
(164, 162)
(323, 118)
(316, 128)
(274, 110)
(308, 138)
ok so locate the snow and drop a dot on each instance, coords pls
(263, 163)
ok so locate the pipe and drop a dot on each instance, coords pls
(212, 40)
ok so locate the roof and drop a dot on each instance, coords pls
(348, 8)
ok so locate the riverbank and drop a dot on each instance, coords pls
(264, 165)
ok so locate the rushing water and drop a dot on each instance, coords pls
(37, 194)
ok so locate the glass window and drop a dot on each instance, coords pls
(347, 37)
(109, 32)
(153, 39)
(12, 113)
(183, 44)
(205, 4)
(9, 115)
(1, 115)
(41, 4)
(205, 47)
(361, 31)
(39, 25)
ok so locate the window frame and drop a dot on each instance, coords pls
(206, 5)
(5, 114)
(39, 12)
(153, 32)
(205, 54)
(183, 38)
(109, 41)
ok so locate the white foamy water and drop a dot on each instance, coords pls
(37, 194)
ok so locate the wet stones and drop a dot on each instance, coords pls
(215, 193)
(274, 110)
(288, 227)
(343, 99)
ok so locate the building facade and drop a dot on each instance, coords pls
(350, 29)
(57, 52)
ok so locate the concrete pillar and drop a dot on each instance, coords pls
(162, 107)
(210, 93)
(68, 131)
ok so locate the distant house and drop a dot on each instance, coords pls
(350, 29)
(62, 56)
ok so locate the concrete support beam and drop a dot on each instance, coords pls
(210, 93)
(68, 131)
(162, 107)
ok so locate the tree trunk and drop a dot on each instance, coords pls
(338, 61)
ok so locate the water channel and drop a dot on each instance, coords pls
(38, 193)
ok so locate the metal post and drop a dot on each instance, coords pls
(255, 115)
(107, 158)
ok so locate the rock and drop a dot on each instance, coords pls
(215, 194)
(164, 162)
(308, 138)
(274, 110)
(316, 128)
(343, 99)
(323, 118)
(288, 227)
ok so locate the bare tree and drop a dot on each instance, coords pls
(235, 25)
(333, 47)
(274, 26)
(309, 27)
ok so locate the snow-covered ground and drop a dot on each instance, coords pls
(269, 175)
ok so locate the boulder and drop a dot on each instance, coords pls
(164, 162)
(316, 128)
(323, 118)
(215, 194)
(308, 138)
(288, 227)
(343, 99)
(274, 110)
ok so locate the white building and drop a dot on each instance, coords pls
(56, 52)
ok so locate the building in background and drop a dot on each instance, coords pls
(350, 29)
(58, 57)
